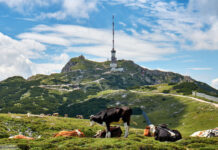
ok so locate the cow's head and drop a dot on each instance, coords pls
(152, 129)
(92, 120)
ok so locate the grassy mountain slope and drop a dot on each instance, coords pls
(12, 124)
(86, 87)
(174, 111)
(177, 112)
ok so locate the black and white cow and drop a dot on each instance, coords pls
(106, 117)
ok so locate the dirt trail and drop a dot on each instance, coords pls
(193, 98)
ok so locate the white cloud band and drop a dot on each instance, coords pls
(214, 83)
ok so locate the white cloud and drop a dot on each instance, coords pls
(79, 8)
(73, 8)
(164, 70)
(97, 42)
(202, 40)
(194, 27)
(46, 68)
(122, 23)
(16, 55)
(48, 38)
(63, 58)
(64, 8)
(204, 7)
(191, 30)
(26, 47)
(132, 3)
(19, 65)
(23, 6)
(214, 83)
(14, 58)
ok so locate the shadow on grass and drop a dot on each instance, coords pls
(160, 109)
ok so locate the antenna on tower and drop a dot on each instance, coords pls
(113, 32)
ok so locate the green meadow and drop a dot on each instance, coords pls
(47, 126)
(183, 114)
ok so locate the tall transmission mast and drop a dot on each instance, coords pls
(113, 32)
(113, 52)
(113, 64)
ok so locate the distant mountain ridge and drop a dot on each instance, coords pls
(81, 79)
(130, 68)
(132, 76)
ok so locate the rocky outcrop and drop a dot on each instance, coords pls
(72, 62)
(67, 67)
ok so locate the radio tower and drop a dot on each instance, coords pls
(113, 64)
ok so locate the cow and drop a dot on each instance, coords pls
(32, 115)
(115, 132)
(55, 114)
(79, 116)
(206, 133)
(21, 137)
(162, 133)
(75, 132)
(106, 117)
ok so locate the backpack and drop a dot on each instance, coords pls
(147, 131)
(163, 133)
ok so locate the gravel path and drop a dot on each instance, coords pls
(193, 98)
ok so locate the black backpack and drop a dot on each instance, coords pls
(163, 133)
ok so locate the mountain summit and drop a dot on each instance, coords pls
(131, 72)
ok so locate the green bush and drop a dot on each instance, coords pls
(166, 91)
(23, 146)
(3, 134)
(186, 88)
(172, 83)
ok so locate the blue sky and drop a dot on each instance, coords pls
(40, 36)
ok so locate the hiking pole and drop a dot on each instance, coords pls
(146, 118)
